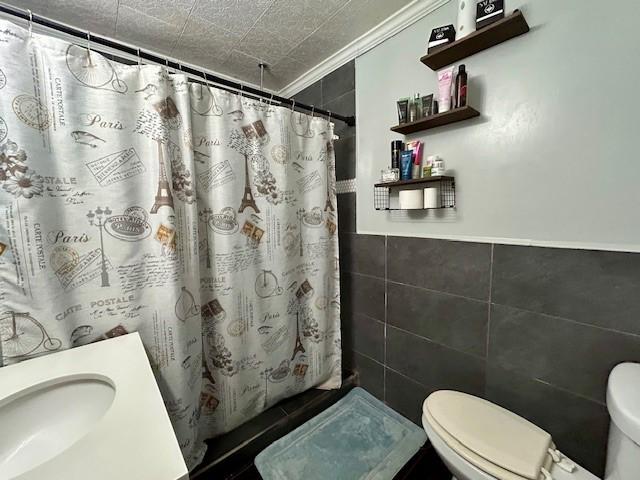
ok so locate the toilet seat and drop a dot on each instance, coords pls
(489, 437)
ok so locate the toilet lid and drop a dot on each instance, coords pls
(492, 438)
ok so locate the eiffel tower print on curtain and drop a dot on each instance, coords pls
(164, 198)
(247, 197)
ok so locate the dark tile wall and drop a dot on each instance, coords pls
(536, 330)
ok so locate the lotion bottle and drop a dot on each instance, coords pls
(461, 87)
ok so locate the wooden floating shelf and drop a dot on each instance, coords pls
(496, 33)
(415, 181)
(438, 120)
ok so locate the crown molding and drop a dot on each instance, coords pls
(397, 22)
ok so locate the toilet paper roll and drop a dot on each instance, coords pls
(432, 197)
(411, 200)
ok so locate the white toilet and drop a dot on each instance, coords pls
(479, 440)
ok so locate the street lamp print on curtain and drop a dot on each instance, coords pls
(132, 200)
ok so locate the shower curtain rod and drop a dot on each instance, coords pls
(208, 78)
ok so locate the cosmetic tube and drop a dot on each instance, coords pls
(406, 162)
(403, 110)
(445, 78)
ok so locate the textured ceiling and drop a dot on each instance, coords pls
(228, 36)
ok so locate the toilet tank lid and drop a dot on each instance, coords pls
(623, 399)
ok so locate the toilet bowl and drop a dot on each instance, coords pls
(478, 440)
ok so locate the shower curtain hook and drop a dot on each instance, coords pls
(271, 99)
(313, 107)
(139, 60)
(241, 89)
(30, 22)
(293, 104)
(89, 43)
(329, 119)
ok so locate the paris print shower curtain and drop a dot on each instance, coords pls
(132, 200)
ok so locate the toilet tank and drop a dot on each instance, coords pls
(623, 403)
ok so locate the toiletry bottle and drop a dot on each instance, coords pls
(397, 146)
(461, 87)
(418, 102)
(412, 111)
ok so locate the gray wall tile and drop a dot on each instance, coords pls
(454, 267)
(600, 288)
(432, 365)
(312, 95)
(406, 396)
(371, 375)
(363, 254)
(339, 82)
(345, 105)
(345, 151)
(362, 294)
(569, 355)
(579, 426)
(346, 212)
(449, 320)
(367, 336)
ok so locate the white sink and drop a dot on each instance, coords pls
(41, 422)
(90, 412)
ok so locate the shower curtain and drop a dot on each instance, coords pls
(135, 201)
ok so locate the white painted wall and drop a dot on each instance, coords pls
(553, 160)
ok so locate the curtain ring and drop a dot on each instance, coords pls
(30, 22)
(293, 104)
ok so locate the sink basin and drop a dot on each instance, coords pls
(93, 411)
(42, 421)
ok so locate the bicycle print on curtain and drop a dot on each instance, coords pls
(136, 201)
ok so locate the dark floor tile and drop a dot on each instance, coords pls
(425, 465)
(346, 212)
(362, 254)
(406, 396)
(362, 294)
(339, 82)
(345, 151)
(600, 288)
(579, 426)
(300, 401)
(250, 473)
(344, 105)
(461, 268)
(569, 355)
(449, 320)
(368, 336)
(370, 375)
(223, 444)
(312, 95)
(434, 366)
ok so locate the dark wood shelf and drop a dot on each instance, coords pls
(496, 33)
(415, 181)
(438, 120)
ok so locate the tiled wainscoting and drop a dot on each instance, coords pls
(536, 330)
